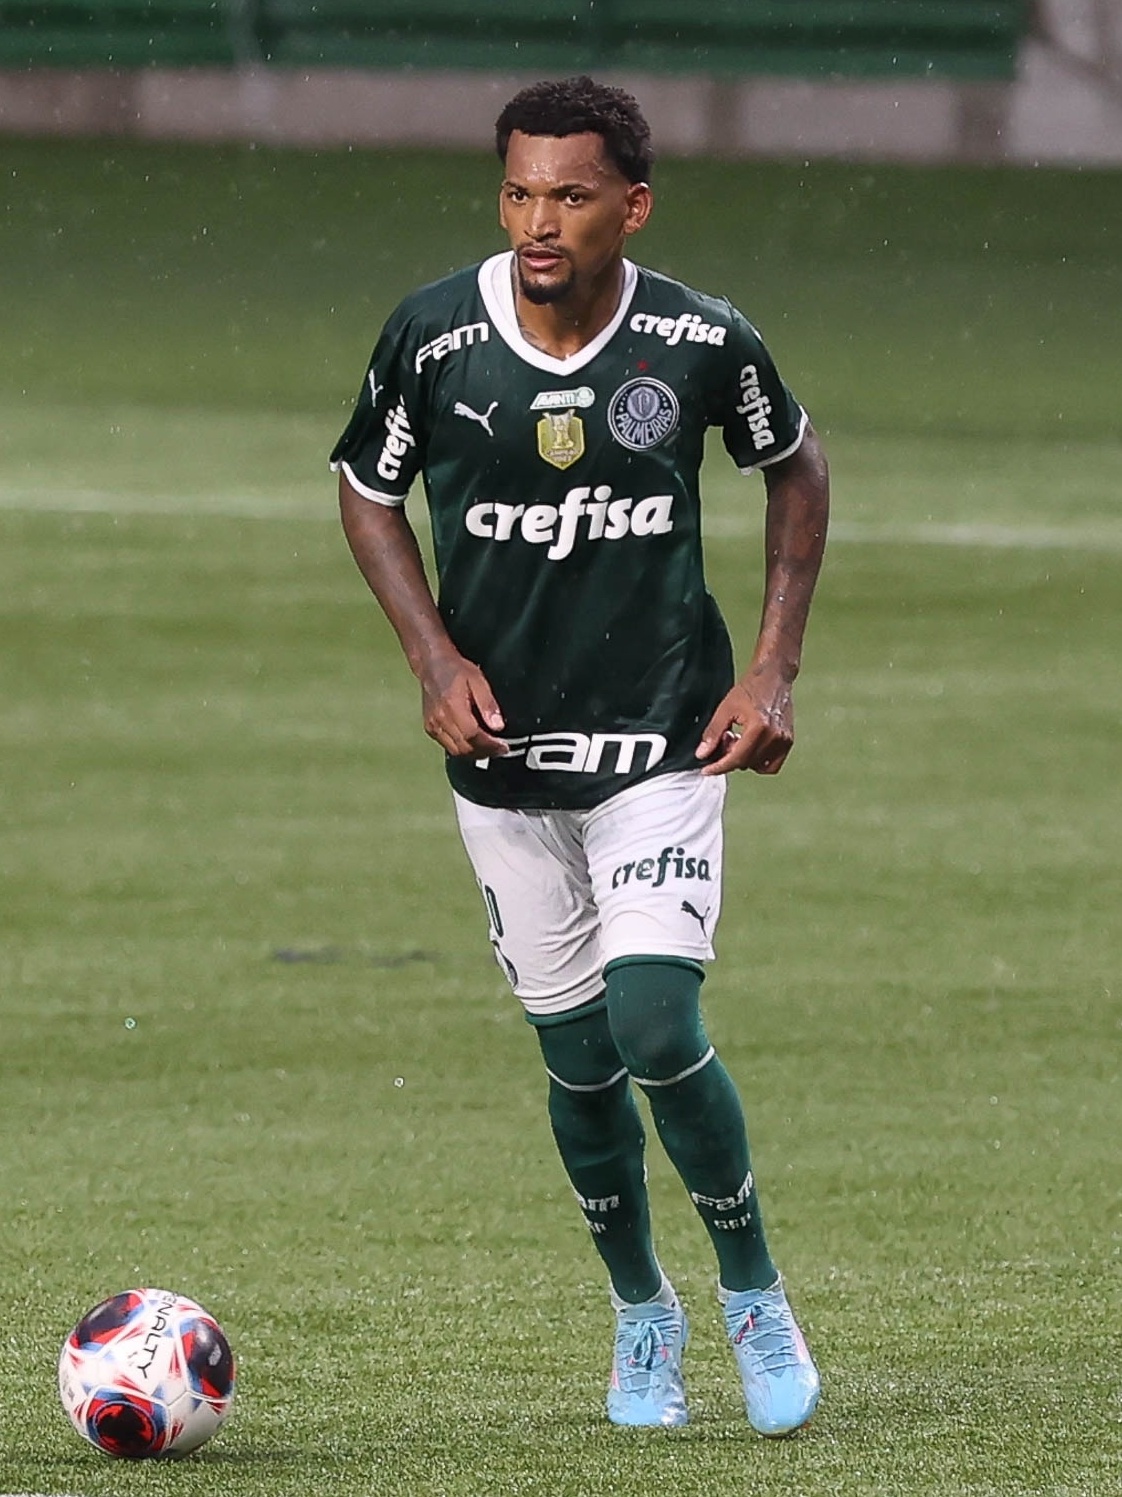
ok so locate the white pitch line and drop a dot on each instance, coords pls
(195, 506)
(1078, 536)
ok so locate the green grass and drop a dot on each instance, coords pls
(213, 763)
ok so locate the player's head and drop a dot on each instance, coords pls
(579, 106)
(577, 156)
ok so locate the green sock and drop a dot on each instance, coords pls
(655, 1018)
(600, 1138)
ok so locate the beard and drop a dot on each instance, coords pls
(542, 293)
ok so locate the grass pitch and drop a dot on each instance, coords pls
(253, 1043)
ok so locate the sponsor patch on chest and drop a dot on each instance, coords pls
(557, 526)
(556, 400)
(687, 326)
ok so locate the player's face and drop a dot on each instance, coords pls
(568, 211)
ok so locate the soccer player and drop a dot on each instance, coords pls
(579, 677)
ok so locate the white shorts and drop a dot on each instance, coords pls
(569, 891)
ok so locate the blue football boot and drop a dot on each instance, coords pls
(646, 1387)
(781, 1383)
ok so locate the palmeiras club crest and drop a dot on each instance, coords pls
(642, 413)
(561, 438)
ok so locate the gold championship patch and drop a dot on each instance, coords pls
(561, 438)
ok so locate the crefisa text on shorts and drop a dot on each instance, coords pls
(672, 862)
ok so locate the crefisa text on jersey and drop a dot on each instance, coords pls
(688, 325)
(608, 519)
(399, 439)
(756, 407)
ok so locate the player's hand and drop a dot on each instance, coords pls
(460, 711)
(752, 728)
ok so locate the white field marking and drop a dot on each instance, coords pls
(1105, 535)
(197, 506)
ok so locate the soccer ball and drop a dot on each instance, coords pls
(146, 1373)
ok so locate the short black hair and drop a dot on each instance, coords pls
(572, 106)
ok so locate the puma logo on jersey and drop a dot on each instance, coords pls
(756, 408)
(375, 388)
(460, 409)
(556, 525)
(673, 329)
(459, 337)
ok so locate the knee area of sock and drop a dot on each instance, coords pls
(579, 1053)
(664, 1057)
(655, 1017)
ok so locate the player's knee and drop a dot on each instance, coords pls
(654, 1012)
(588, 1088)
(579, 1052)
(664, 1054)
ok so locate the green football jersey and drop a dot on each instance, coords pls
(566, 514)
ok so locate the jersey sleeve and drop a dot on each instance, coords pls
(760, 419)
(381, 449)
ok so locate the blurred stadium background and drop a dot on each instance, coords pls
(1012, 80)
(251, 1040)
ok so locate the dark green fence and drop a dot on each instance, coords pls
(816, 38)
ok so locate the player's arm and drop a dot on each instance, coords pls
(753, 727)
(460, 711)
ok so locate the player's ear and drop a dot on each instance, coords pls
(639, 204)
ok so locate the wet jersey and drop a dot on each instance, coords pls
(566, 514)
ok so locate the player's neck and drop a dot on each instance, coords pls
(563, 328)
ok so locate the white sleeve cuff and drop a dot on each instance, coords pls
(777, 457)
(377, 496)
